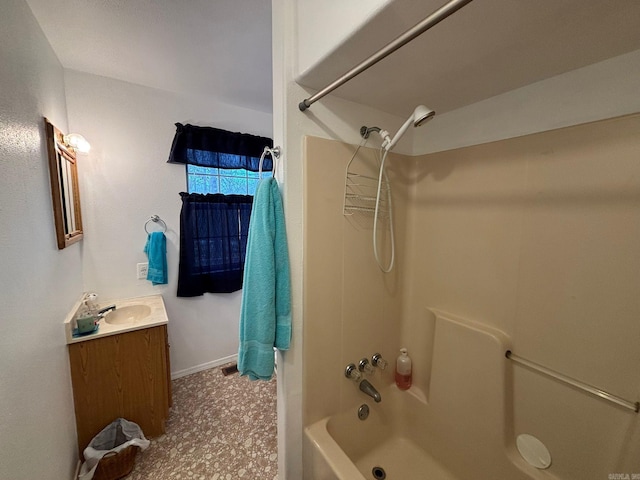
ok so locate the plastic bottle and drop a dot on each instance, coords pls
(91, 303)
(403, 370)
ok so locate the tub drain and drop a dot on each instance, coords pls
(379, 473)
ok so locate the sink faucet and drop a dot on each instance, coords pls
(104, 310)
(370, 390)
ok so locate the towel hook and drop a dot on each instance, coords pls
(275, 155)
(155, 219)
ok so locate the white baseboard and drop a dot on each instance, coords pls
(203, 366)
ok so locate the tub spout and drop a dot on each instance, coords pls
(370, 390)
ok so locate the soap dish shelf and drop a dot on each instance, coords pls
(360, 195)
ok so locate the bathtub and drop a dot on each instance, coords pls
(457, 427)
(342, 447)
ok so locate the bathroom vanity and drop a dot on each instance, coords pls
(122, 370)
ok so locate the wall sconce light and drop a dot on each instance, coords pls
(77, 142)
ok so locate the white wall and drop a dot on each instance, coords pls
(603, 90)
(125, 179)
(341, 18)
(38, 283)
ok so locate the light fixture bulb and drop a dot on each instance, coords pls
(77, 142)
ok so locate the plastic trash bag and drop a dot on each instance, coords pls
(116, 436)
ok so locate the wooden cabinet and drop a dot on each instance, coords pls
(125, 375)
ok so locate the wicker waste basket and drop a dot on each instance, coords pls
(116, 465)
(112, 452)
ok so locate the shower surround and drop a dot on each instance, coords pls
(535, 238)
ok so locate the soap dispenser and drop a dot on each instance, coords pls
(403, 370)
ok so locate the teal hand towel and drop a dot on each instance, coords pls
(265, 314)
(156, 250)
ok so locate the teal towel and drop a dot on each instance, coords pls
(156, 250)
(265, 314)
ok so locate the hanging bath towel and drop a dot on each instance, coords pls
(156, 250)
(265, 315)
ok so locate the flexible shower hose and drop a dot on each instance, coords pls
(375, 218)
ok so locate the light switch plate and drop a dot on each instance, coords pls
(143, 269)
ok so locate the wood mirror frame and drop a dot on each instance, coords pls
(65, 192)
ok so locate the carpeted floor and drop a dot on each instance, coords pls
(219, 428)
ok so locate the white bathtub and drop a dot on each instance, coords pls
(462, 429)
(343, 447)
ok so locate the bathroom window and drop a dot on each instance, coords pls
(222, 176)
(220, 180)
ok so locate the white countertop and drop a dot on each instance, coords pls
(157, 316)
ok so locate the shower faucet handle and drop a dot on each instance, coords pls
(352, 373)
(365, 366)
(378, 361)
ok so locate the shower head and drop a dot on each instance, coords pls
(420, 116)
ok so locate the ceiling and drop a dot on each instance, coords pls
(220, 48)
(486, 48)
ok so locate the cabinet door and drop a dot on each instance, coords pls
(120, 376)
(143, 364)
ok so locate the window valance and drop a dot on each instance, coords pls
(213, 147)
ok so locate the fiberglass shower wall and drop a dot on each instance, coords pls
(352, 309)
(538, 236)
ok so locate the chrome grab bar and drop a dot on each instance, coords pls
(635, 406)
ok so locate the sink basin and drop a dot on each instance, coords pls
(128, 314)
(131, 314)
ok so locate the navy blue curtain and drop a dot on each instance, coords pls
(213, 147)
(213, 242)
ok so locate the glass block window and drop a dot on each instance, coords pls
(221, 180)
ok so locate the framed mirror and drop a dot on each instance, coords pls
(64, 188)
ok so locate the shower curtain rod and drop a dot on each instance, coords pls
(635, 406)
(418, 29)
